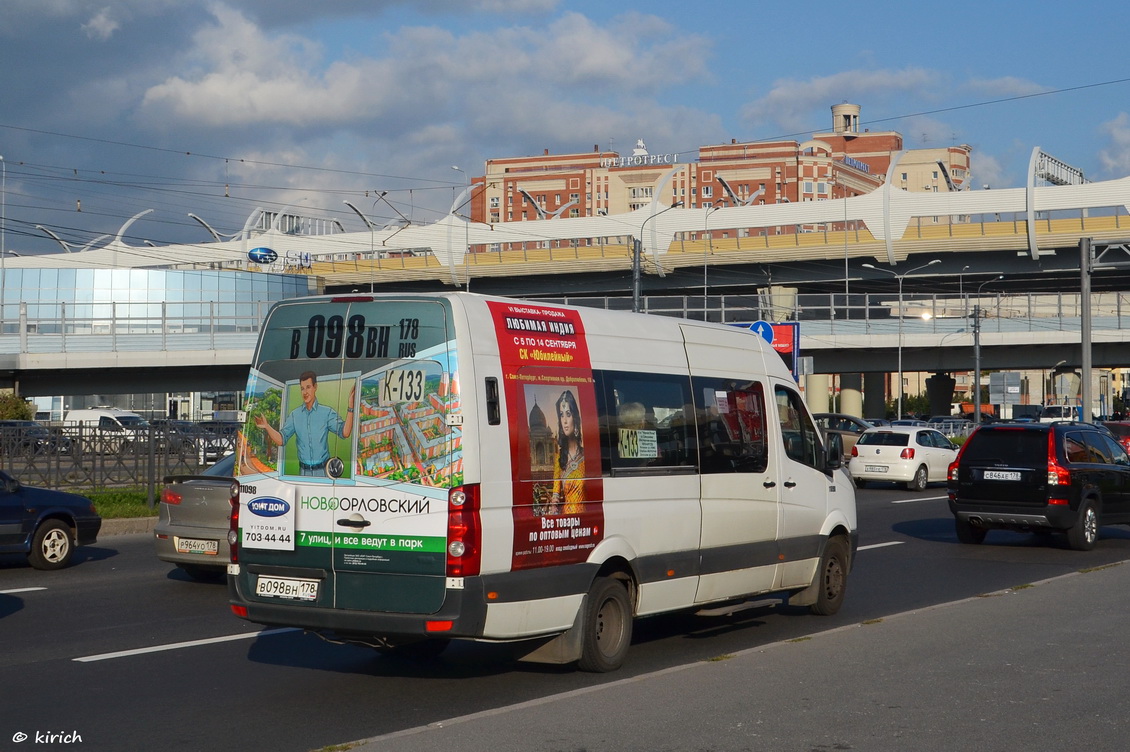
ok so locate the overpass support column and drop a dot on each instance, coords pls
(816, 392)
(851, 394)
(874, 395)
(939, 390)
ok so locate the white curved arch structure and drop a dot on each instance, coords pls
(887, 213)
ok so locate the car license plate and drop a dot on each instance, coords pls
(876, 468)
(286, 587)
(197, 546)
(1001, 475)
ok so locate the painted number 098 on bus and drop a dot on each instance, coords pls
(334, 337)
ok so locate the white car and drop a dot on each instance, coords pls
(901, 454)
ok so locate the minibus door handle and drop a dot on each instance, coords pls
(790, 484)
(770, 484)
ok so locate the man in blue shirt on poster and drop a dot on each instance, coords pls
(310, 424)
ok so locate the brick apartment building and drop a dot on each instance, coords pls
(841, 163)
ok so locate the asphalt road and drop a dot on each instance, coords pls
(129, 654)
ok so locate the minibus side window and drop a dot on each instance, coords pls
(647, 422)
(798, 432)
(731, 431)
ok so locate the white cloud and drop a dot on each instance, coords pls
(516, 77)
(986, 170)
(238, 76)
(1004, 87)
(923, 132)
(101, 26)
(797, 107)
(1115, 158)
(419, 99)
(635, 53)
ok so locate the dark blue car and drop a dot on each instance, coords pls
(45, 525)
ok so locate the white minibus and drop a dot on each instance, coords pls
(419, 468)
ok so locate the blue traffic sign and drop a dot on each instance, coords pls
(764, 330)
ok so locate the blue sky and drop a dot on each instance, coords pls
(127, 105)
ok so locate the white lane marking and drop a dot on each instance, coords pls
(881, 545)
(21, 590)
(266, 632)
(919, 498)
(179, 645)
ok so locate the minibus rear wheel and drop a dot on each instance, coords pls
(607, 626)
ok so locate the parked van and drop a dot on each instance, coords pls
(1052, 413)
(111, 418)
(418, 468)
(107, 430)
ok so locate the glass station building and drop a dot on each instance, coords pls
(56, 311)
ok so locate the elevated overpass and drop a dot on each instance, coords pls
(69, 356)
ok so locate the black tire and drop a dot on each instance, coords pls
(967, 533)
(203, 574)
(51, 545)
(1085, 534)
(606, 626)
(920, 479)
(860, 483)
(832, 577)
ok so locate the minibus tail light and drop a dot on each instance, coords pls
(464, 531)
(233, 524)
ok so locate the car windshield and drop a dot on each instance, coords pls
(1007, 446)
(1118, 429)
(885, 438)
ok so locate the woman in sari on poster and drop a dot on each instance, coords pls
(569, 463)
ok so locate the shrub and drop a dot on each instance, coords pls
(114, 503)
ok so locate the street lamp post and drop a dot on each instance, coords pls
(900, 278)
(466, 233)
(3, 239)
(637, 252)
(708, 251)
(977, 352)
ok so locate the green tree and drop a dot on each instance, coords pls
(13, 407)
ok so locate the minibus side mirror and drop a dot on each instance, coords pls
(834, 452)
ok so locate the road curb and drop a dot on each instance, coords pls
(127, 526)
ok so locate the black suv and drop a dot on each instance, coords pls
(1040, 477)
